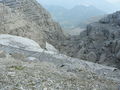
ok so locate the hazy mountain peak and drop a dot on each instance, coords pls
(104, 5)
(76, 16)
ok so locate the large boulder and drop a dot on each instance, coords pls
(19, 42)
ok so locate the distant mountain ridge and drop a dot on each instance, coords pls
(104, 5)
(76, 16)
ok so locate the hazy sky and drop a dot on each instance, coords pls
(106, 5)
(73, 1)
(113, 1)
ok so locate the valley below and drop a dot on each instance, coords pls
(74, 31)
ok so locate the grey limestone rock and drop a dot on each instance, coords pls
(27, 18)
(102, 38)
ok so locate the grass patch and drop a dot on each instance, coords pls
(17, 67)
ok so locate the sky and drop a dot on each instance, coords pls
(113, 1)
(105, 5)
(73, 1)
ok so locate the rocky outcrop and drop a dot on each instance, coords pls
(27, 18)
(24, 44)
(19, 42)
(99, 43)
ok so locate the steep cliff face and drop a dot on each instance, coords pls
(102, 39)
(28, 19)
(100, 42)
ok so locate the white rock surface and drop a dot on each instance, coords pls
(32, 58)
(19, 42)
(25, 44)
(50, 47)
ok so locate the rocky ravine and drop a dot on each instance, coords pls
(25, 65)
(22, 69)
(27, 18)
(99, 43)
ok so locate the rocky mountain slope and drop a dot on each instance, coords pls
(27, 18)
(22, 69)
(25, 65)
(100, 42)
